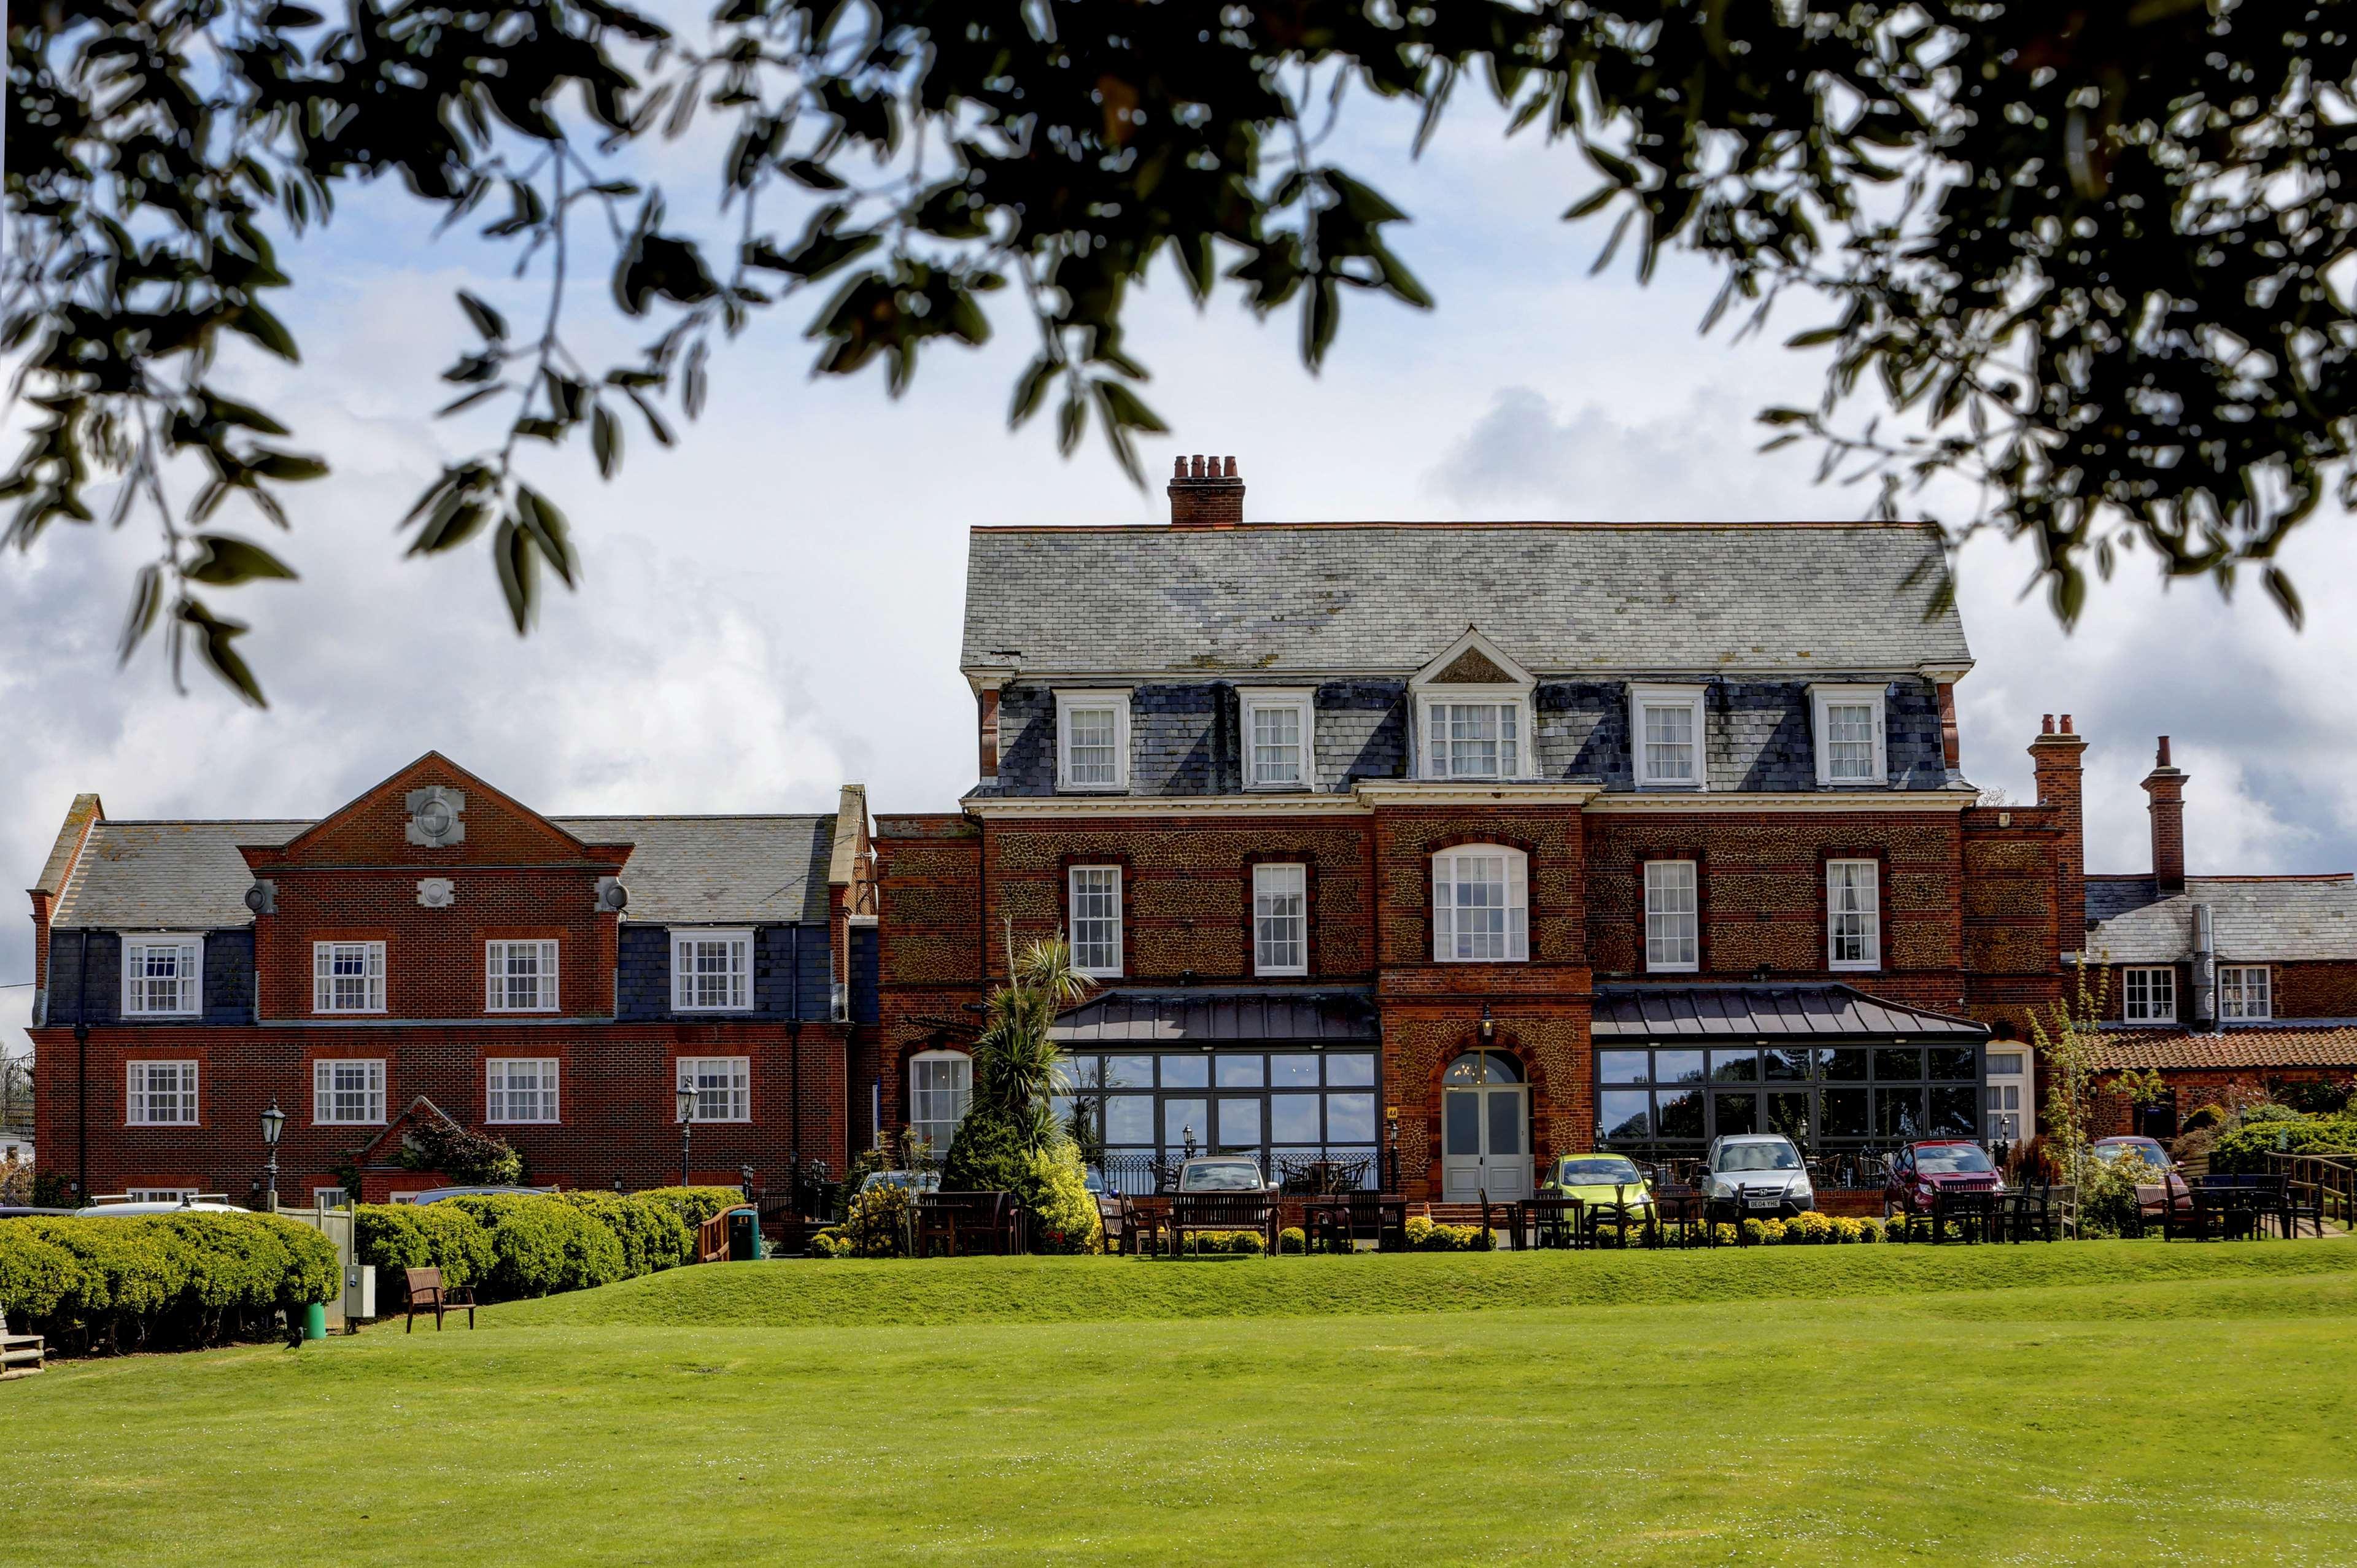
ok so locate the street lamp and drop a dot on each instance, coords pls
(745, 1173)
(274, 1121)
(686, 1126)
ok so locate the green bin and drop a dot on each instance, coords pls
(314, 1321)
(744, 1236)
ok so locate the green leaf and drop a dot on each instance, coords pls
(222, 561)
(2287, 598)
(517, 563)
(488, 322)
(1031, 390)
(267, 329)
(546, 528)
(147, 600)
(214, 636)
(605, 440)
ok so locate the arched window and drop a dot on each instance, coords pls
(1482, 1067)
(1480, 905)
(940, 1087)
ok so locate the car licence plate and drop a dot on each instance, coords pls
(1761, 1200)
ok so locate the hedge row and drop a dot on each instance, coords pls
(165, 1282)
(511, 1246)
(2247, 1148)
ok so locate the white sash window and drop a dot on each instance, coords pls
(520, 977)
(712, 971)
(163, 976)
(347, 977)
(347, 1091)
(1481, 906)
(160, 1094)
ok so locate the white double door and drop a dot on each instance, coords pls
(1485, 1144)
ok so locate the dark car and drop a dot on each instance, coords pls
(1921, 1172)
(2113, 1150)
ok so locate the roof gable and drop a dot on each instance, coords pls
(1474, 661)
(432, 813)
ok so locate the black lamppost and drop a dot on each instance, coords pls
(745, 1173)
(686, 1126)
(1391, 1125)
(274, 1121)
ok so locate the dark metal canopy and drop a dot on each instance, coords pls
(1831, 1012)
(1206, 1018)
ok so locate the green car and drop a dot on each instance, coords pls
(1600, 1178)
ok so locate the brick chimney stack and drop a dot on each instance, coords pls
(2165, 785)
(1203, 495)
(2054, 756)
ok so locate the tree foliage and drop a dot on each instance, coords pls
(2092, 259)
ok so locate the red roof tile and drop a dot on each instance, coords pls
(2331, 1046)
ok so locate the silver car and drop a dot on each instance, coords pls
(1221, 1172)
(1757, 1174)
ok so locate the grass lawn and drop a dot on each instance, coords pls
(2099, 1403)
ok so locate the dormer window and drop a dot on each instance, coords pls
(1668, 725)
(1280, 740)
(1848, 724)
(1092, 740)
(1473, 713)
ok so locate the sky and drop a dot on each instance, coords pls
(772, 608)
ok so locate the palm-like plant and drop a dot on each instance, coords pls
(1015, 1060)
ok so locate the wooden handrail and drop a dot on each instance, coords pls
(2330, 1181)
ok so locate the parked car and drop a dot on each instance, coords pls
(2149, 1150)
(1921, 1172)
(157, 1205)
(21, 1212)
(1220, 1173)
(437, 1193)
(923, 1181)
(1759, 1174)
(1600, 1178)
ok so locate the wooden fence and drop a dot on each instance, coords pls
(2330, 1181)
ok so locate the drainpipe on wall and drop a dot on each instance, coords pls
(794, 1095)
(2205, 967)
(81, 1069)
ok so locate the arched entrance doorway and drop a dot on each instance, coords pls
(1484, 1129)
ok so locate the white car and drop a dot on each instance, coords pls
(1221, 1172)
(1759, 1174)
(149, 1210)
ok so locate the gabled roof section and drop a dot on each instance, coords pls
(85, 812)
(719, 871)
(1474, 661)
(1740, 1014)
(1278, 599)
(2253, 918)
(181, 876)
(373, 828)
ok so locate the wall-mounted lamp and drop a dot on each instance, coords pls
(1488, 1028)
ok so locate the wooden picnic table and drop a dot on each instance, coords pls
(1539, 1222)
(1344, 1217)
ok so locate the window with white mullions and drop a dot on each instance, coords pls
(160, 1094)
(1092, 740)
(2149, 995)
(1280, 919)
(1095, 918)
(347, 977)
(1474, 740)
(1480, 905)
(723, 1087)
(1667, 722)
(1850, 732)
(347, 1091)
(2242, 992)
(1852, 915)
(163, 976)
(1673, 939)
(520, 1089)
(711, 972)
(520, 977)
(1277, 739)
(940, 1090)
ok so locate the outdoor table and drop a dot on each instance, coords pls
(1689, 1210)
(1539, 1218)
(1333, 1217)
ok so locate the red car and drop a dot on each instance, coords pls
(1920, 1172)
(2180, 1196)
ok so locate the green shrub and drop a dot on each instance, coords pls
(1238, 1243)
(37, 1275)
(1292, 1239)
(2247, 1147)
(829, 1244)
(1424, 1236)
(1810, 1228)
(986, 1155)
(876, 1225)
(695, 1205)
(397, 1236)
(541, 1246)
(1055, 1189)
(1869, 1228)
(170, 1280)
(652, 1235)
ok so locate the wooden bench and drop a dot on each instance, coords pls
(426, 1290)
(20, 1355)
(1118, 1218)
(1222, 1211)
(961, 1220)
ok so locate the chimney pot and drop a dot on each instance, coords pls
(2066, 724)
(1231, 466)
(1178, 467)
(1199, 466)
(2160, 757)
(2046, 725)
(2165, 790)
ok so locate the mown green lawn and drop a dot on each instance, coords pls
(2102, 1404)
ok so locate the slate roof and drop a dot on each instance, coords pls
(2276, 919)
(701, 870)
(1350, 597)
(1764, 1013)
(2331, 1047)
(1200, 1017)
(188, 876)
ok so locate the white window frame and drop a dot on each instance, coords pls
(139, 1094)
(1669, 951)
(1870, 930)
(1448, 931)
(1691, 699)
(1114, 698)
(323, 976)
(501, 1095)
(1434, 760)
(737, 1071)
(2243, 1012)
(1106, 969)
(740, 979)
(1822, 699)
(546, 970)
(961, 1098)
(324, 1091)
(1274, 881)
(158, 1194)
(332, 1197)
(189, 987)
(1273, 700)
(2144, 1009)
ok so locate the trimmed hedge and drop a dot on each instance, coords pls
(2247, 1148)
(510, 1246)
(162, 1281)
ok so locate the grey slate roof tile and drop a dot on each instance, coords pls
(1385, 597)
(2253, 918)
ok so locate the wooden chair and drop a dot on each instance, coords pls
(961, 1219)
(427, 1291)
(1118, 1217)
